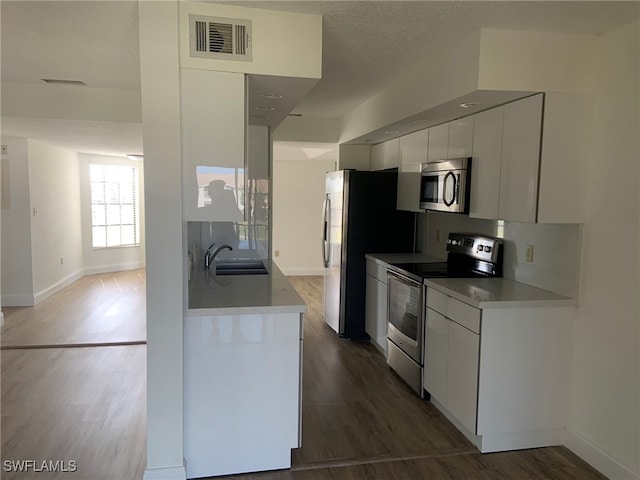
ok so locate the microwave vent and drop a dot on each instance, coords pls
(219, 38)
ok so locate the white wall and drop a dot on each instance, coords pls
(441, 76)
(56, 228)
(604, 420)
(555, 265)
(298, 196)
(17, 275)
(108, 259)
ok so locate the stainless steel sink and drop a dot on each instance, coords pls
(241, 267)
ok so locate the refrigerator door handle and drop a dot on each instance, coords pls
(326, 217)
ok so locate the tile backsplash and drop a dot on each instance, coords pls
(556, 257)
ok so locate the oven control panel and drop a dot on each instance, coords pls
(480, 247)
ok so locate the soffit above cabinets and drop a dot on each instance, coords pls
(475, 102)
(272, 98)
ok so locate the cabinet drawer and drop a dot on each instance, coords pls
(463, 314)
(376, 270)
(459, 312)
(437, 301)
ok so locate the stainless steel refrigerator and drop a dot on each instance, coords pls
(359, 217)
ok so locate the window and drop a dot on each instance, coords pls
(114, 205)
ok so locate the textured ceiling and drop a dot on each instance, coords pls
(365, 46)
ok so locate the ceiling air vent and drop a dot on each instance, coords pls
(219, 38)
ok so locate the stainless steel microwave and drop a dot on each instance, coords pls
(445, 185)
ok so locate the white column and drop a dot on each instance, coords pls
(161, 134)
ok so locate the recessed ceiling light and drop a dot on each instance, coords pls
(135, 156)
(264, 107)
(273, 96)
(468, 104)
(63, 82)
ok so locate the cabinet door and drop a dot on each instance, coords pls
(408, 196)
(462, 375)
(381, 316)
(460, 138)
(520, 159)
(377, 157)
(391, 153)
(212, 109)
(438, 143)
(375, 312)
(413, 151)
(485, 166)
(371, 306)
(436, 355)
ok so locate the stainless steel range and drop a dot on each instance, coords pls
(469, 255)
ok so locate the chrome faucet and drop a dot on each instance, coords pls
(210, 257)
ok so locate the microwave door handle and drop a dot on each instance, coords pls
(444, 189)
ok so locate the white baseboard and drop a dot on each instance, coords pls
(170, 473)
(599, 459)
(56, 287)
(302, 272)
(13, 300)
(114, 267)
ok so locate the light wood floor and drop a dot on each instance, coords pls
(359, 420)
(97, 309)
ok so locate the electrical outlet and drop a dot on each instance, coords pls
(438, 235)
(529, 253)
(276, 253)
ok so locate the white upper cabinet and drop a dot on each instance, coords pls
(414, 150)
(385, 155)
(460, 138)
(525, 169)
(213, 126)
(438, 143)
(451, 140)
(521, 159)
(413, 153)
(567, 125)
(486, 164)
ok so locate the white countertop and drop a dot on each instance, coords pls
(497, 293)
(386, 258)
(211, 294)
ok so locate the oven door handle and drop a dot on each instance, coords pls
(454, 193)
(403, 278)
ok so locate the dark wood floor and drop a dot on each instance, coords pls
(359, 420)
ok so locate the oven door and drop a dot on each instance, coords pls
(405, 314)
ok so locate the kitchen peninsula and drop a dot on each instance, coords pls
(242, 372)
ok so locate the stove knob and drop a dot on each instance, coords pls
(487, 249)
(480, 248)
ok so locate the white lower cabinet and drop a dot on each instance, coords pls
(462, 374)
(500, 374)
(375, 314)
(242, 392)
(436, 354)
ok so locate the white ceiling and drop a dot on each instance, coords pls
(365, 45)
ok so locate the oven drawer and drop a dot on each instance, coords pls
(453, 309)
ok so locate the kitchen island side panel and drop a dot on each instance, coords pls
(242, 392)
